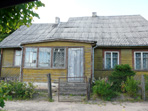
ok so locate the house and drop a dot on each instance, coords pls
(82, 46)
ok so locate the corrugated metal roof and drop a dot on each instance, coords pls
(128, 30)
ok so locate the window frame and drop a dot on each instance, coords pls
(111, 59)
(64, 58)
(36, 65)
(141, 52)
(38, 56)
(51, 61)
(15, 57)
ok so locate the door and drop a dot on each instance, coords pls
(75, 64)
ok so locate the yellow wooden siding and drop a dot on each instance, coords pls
(39, 75)
(7, 64)
(126, 58)
(10, 71)
(8, 55)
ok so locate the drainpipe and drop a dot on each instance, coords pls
(21, 65)
(93, 63)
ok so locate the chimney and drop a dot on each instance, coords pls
(57, 20)
(94, 14)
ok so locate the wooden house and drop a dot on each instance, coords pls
(82, 46)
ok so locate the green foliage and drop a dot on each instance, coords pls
(120, 73)
(13, 17)
(3, 95)
(146, 85)
(2, 36)
(18, 90)
(123, 87)
(146, 82)
(51, 100)
(103, 88)
(131, 86)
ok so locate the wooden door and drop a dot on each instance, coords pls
(75, 64)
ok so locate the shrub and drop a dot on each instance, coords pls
(146, 82)
(120, 73)
(18, 90)
(103, 88)
(146, 85)
(3, 95)
(131, 86)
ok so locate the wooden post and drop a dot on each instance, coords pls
(89, 88)
(49, 86)
(143, 87)
(1, 57)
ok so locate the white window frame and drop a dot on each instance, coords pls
(111, 58)
(15, 58)
(141, 59)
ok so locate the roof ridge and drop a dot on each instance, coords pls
(107, 16)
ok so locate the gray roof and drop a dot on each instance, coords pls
(127, 30)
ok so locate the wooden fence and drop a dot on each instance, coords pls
(7, 79)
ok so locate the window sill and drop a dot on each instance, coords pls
(42, 68)
(108, 69)
(141, 70)
(10, 66)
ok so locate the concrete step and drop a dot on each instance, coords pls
(68, 88)
(69, 84)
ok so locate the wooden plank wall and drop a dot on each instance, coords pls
(7, 64)
(39, 75)
(126, 58)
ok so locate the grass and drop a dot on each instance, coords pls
(51, 100)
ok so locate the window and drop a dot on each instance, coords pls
(58, 57)
(111, 59)
(31, 57)
(44, 57)
(17, 59)
(141, 60)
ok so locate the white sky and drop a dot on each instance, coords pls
(77, 8)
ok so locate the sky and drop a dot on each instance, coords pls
(78, 8)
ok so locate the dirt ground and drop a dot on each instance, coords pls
(67, 106)
(41, 103)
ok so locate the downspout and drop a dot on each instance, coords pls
(93, 63)
(21, 65)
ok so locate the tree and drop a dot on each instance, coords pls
(13, 17)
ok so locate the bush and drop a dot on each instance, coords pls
(3, 95)
(131, 86)
(146, 82)
(146, 85)
(103, 88)
(18, 90)
(120, 73)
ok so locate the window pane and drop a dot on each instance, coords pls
(108, 61)
(115, 59)
(145, 60)
(138, 60)
(44, 57)
(31, 57)
(17, 58)
(59, 57)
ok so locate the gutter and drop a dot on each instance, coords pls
(93, 63)
(21, 65)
